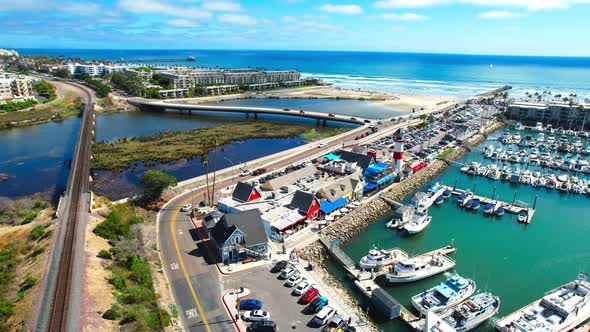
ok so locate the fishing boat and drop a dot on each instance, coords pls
(376, 259)
(472, 312)
(418, 268)
(439, 200)
(500, 211)
(489, 208)
(448, 293)
(447, 193)
(561, 309)
(417, 224)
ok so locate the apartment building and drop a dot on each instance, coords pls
(560, 114)
(91, 69)
(15, 89)
(189, 77)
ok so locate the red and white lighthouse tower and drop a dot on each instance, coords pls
(398, 150)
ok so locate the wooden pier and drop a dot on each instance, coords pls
(515, 207)
(365, 282)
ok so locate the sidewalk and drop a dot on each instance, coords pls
(229, 301)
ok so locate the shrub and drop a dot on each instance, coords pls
(140, 273)
(6, 310)
(113, 313)
(118, 281)
(104, 254)
(112, 227)
(37, 232)
(136, 294)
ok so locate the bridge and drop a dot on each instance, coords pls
(59, 305)
(162, 105)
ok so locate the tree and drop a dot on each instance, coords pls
(155, 182)
(205, 161)
(63, 73)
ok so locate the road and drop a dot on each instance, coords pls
(196, 285)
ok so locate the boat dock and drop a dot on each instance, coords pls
(365, 282)
(515, 207)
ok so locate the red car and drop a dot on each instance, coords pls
(311, 294)
(259, 171)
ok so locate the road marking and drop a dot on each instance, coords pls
(174, 266)
(188, 280)
(191, 313)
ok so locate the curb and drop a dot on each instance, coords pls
(229, 311)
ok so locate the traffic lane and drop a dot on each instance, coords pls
(203, 277)
(199, 260)
(276, 298)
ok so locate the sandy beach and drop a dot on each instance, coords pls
(394, 101)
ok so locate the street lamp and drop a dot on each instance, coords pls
(233, 170)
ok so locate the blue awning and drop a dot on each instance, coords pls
(385, 179)
(328, 207)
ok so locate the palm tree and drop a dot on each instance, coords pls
(213, 141)
(205, 161)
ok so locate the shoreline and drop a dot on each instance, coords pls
(356, 222)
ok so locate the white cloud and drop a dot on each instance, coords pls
(162, 8)
(499, 14)
(529, 4)
(289, 19)
(342, 9)
(404, 17)
(408, 3)
(182, 23)
(81, 8)
(9, 5)
(237, 19)
(222, 6)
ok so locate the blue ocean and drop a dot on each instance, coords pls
(417, 73)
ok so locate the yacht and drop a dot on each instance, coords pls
(518, 126)
(541, 138)
(376, 259)
(551, 138)
(493, 172)
(417, 224)
(420, 267)
(472, 312)
(473, 168)
(538, 127)
(560, 310)
(452, 291)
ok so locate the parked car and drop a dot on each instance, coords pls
(250, 304)
(279, 266)
(263, 326)
(309, 295)
(294, 280)
(259, 171)
(323, 316)
(186, 207)
(256, 315)
(321, 145)
(331, 115)
(301, 288)
(246, 172)
(335, 324)
(287, 273)
(318, 303)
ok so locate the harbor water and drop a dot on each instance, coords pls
(515, 261)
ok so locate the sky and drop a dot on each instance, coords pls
(513, 27)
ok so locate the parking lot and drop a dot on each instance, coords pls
(276, 298)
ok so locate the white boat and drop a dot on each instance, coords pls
(561, 309)
(418, 268)
(418, 224)
(452, 291)
(376, 259)
(538, 127)
(518, 126)
(472, 312)
(403, 215)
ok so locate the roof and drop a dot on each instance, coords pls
(212, 218)
(377, 168)
(302, 200)
(328, 207)
(248, 222)
(341, 187)
(242, 192)
(287, 221)
(361, 159)
(331, 156)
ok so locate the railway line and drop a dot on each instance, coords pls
(56, 302)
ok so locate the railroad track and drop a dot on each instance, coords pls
(78, 186)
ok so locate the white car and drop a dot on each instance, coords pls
(321, 145)
(256, 315)
(287, 272)
(246, 172)
(294, 280)
(186, 208)
(301, 288)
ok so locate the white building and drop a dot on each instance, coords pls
(91, 69)
(15, 90)
(4, 52)
(561, 114)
